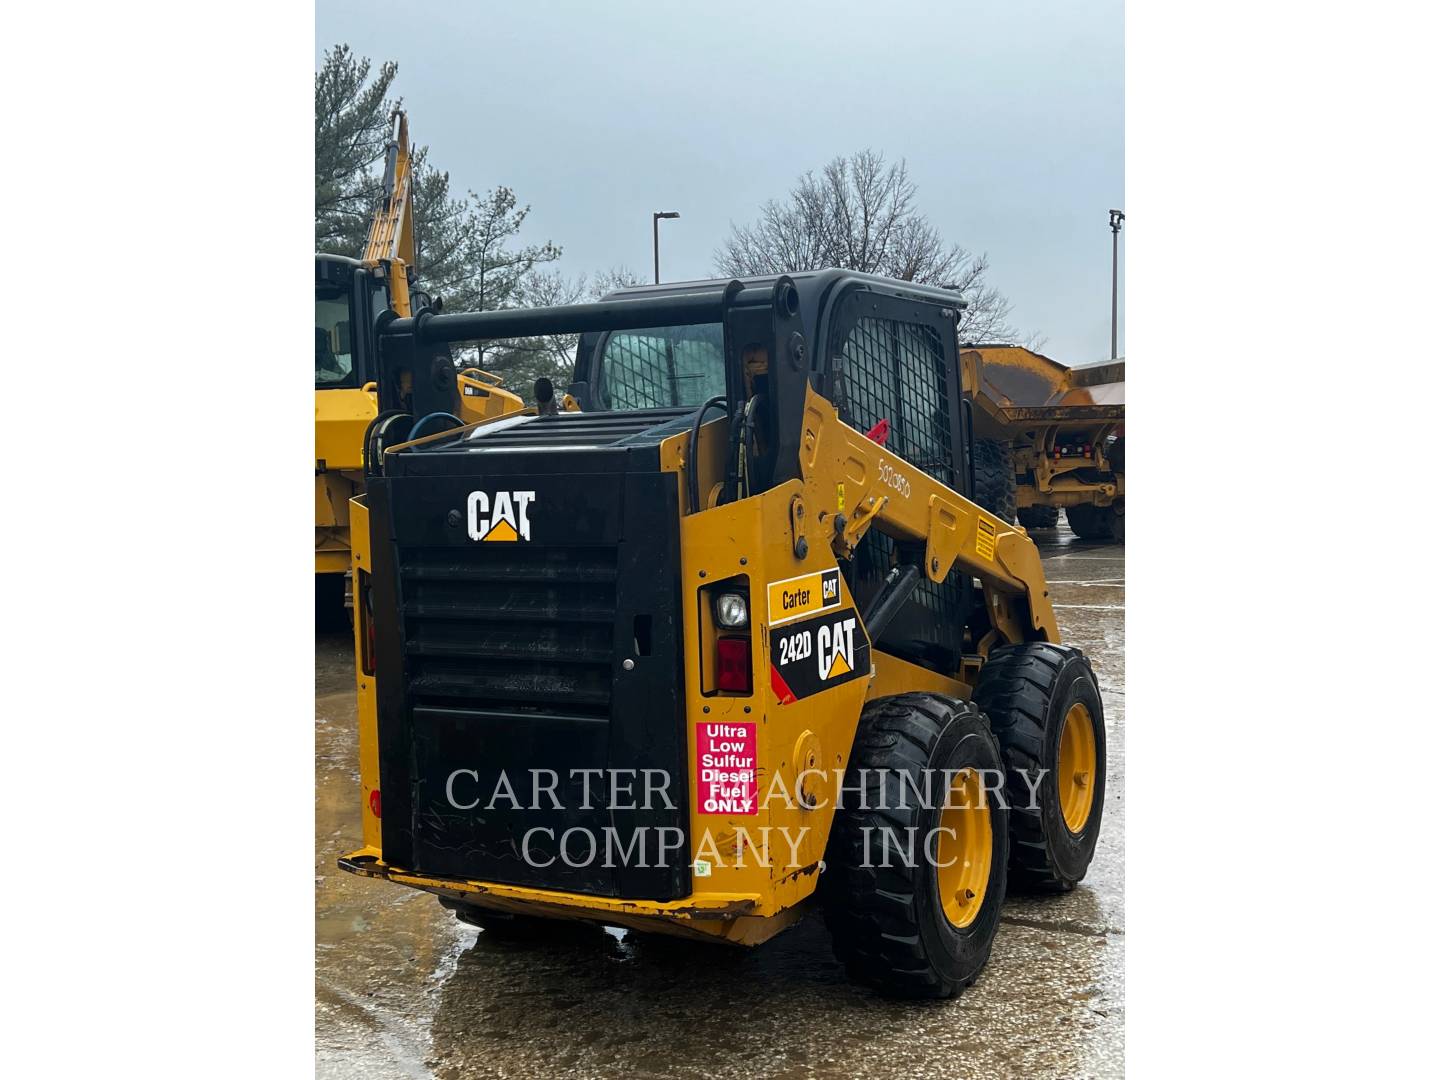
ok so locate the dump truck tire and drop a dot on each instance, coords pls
(1038, 517)
(1098, 522)
(995, 477)
(1044, 707)
(330, 602)
(916, 931)
(1117, 520)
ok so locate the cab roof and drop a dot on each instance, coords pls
(813, 286)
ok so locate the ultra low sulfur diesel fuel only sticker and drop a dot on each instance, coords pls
(725, 768)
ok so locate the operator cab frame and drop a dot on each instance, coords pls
(884, 352)
(831, 305)
(349, 301)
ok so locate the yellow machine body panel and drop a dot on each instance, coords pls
(755, 865)
(341, 417)
(483, 398)
(365, 682)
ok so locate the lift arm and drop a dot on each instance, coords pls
(391, 244)
(856, 483)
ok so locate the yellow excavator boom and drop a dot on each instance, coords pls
(345, 409)
(391, 243)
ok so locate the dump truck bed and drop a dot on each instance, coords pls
(1017, 386)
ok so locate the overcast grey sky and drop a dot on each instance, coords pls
(1010, 114)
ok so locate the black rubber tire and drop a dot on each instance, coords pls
(1116, 455)
(1025, 691)
(995, 477)
(1038, 517)
(1105, 523)
(886, 923)
(330, 603)
(1085, 523)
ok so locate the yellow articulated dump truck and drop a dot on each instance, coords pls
(700, 653)
(1049, 437)
(353, 298)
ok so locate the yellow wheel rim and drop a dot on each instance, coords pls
(963, 849)
(1075, 779)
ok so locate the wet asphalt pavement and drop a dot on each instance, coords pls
(404, 990)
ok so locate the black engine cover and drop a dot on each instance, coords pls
(511, 587)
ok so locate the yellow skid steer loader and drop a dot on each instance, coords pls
(728, 640)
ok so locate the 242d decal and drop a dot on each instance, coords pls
(816, 654)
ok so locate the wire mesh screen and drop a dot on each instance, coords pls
(637, 372)
(893, 370)
(662, 367)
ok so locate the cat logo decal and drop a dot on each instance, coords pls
(504, 516)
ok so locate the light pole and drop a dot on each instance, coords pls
(655, 224)
(1116, 217)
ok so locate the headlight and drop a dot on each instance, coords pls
(730, 611)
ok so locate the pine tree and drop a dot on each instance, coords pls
(352, 125)
(467, 248)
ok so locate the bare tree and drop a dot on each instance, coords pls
(523, 360)
(860, 214)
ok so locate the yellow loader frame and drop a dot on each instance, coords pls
(848, 484)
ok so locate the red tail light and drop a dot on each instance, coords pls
(375, 802)
(732, 664)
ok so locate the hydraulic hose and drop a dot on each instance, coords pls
(369, 431)
(415, 431)
(692, 469)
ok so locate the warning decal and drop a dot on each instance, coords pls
(817, 654)
(725, 769)
(985, 538)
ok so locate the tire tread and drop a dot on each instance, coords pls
(871, 912)
(1015, 688)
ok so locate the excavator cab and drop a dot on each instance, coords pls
(348, 301)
